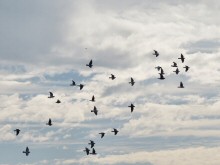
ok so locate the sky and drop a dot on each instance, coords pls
(44, 45)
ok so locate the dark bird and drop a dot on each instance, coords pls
(93, 152)
(174, 64)
(73, 83)
(132, 107)
(186, 67)
(95, 110)
(115, 131)
(86, 150)
(158, 68)
(161, 71)
(156, 53)
(92, 143)
(27, 151)
(90, 64)
(51, 95)
(112, 77)
(181, 85)
(80, 86)
(49, 122)
(161, 77)
(182, 58)
(176, 71)
(58, 101)
(17, 131)
(93, 99)
(132, 81)
(102, 134)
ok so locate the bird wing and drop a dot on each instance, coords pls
(51, 94)
(90, 63)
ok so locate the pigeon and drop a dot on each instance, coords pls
(49, 122)
(93, 152)
(92, 143)
(176, 71)
(181, 85)
(132, 81)
(93, 99)
(27, 151)
(156, 53)
(161, 77)
(90, 64)
(102, 134)
(161, 71)
(51, 95)
(86, 150)
(158, 68)
(73, 83)
(174, 64)
(112, 77)
(95, 110)
(115, 131)
(17, 131)
(187, 68)
(58, 101)
(132, 107)
(182, 58)
(81, 86)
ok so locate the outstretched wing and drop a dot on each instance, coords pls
(90, 63)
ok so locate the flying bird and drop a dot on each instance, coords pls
(156, 53)
(158, 68)
(132, 81)
(92, 143)
(27, 151)
(80, 86)
(73, 83)
(176, 71)
(58, 101)
(182, 58)
(161, 77)
(174, 64)
(181, 85)
(112, 77)
(86, 150)
(115, 131)
(51, 95)
(17, 131)
(132, 107)
(102, 134)
(93, 99)
(49, 122)
(93, 152)
(95, 110)
(186, 68)
(90, 64)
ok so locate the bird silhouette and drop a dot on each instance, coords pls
(49, 122)
(161, 71)
(51, 95)
(158, 68)
(86, 150)
(132, 81)
(95, 110)
(176, 71)
(182, 58)
(156, 53)
(181, 85)
(17, 131)
(161, 77)
(92, 143)
(93, 99)
(93, 152)
(80, 86)
(132, 107)
(73, 83)
(174, 64)
(58, 101)
(90, 64)
(115, 131)
(112, 77)
(186, 68)
(27, 151)
(102, 134)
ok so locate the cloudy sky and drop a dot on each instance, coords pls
(44, 45)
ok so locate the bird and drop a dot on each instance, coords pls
(156, 53)
(132, 107)
(93, 99)
(51, 95)
(174, 64)
(80, 86)
(102, 134)
(92, 143)
(86, 150)
(49, 122)
(186, 67)
(73, 83)
(90, 64)
(95, 110)
(158, 68)
(17, 131)
(27, 151)
(161, 71)
(181, 85)
(93, 152)
(161, 77)
(115, 131)
(176, 71)
(58, 101)
(112, 77)
(182, 58)
(132, 81)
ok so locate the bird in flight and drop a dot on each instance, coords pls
(156, 53)
(176, 71)
(174, 64)
(49, 122)
(132, 107)
(27, 151)
(182, 58)
(132, 81)
(90, 64)
(73, 83)
(112, 77)
(86, 150)
(17, 131)
(161, 77)
(80, 86)
(95, 110)
(186, 68)
(115, 131)
(181, 85)
(92, 143)
(58, 101)
(102, 134)
(51, 95)
(93, 152)
(93, 99)
(158, 68)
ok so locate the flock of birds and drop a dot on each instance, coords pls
(95, 111)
